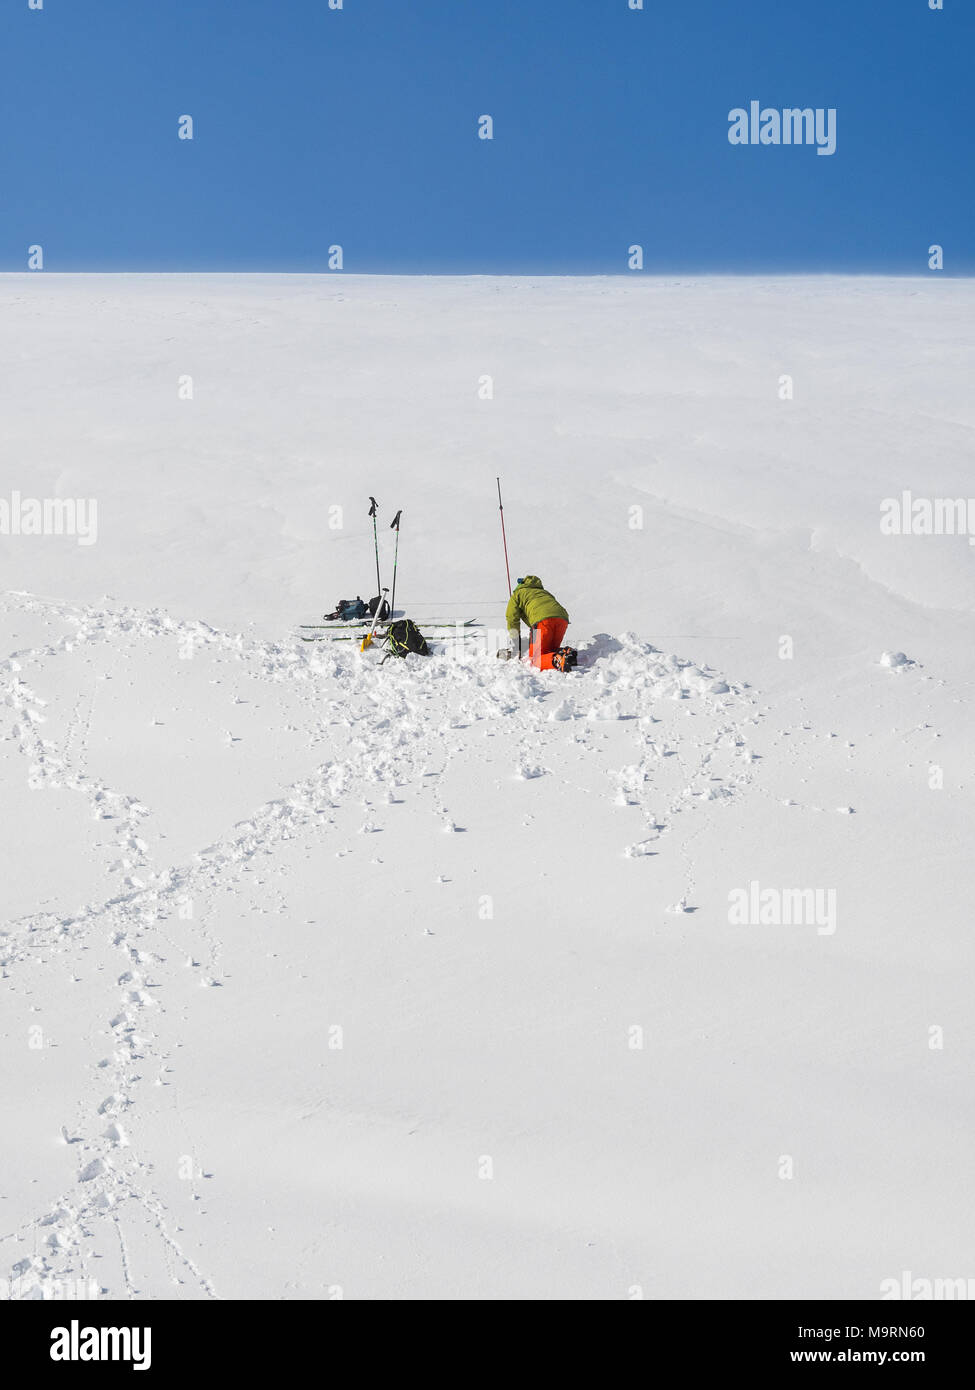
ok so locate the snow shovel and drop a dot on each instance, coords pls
(367, 640)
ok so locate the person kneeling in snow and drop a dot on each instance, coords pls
(548, 620)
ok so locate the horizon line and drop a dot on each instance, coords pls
(519, 274)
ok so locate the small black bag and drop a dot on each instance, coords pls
(403, 637)
(565, 658)
(374, 603)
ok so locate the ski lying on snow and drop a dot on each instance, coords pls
(363, 625)
(358, 636)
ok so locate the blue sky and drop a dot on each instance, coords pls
(359, 127)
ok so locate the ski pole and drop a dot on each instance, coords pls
(394, 526)
(504, 538)
(372, 512)
(507, 569)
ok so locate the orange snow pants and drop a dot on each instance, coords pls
(546, 639)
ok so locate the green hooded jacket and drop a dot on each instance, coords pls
(531, 604)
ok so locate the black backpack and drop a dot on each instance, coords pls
(565, 658)
(403, 637)
(383, 611)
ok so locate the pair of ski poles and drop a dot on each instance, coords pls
(394, 526)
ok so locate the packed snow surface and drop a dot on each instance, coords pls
(330, 978)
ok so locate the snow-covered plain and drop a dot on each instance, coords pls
(326, 979)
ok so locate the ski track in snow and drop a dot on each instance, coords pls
(380, 729)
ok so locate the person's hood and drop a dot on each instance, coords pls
(530, 581)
